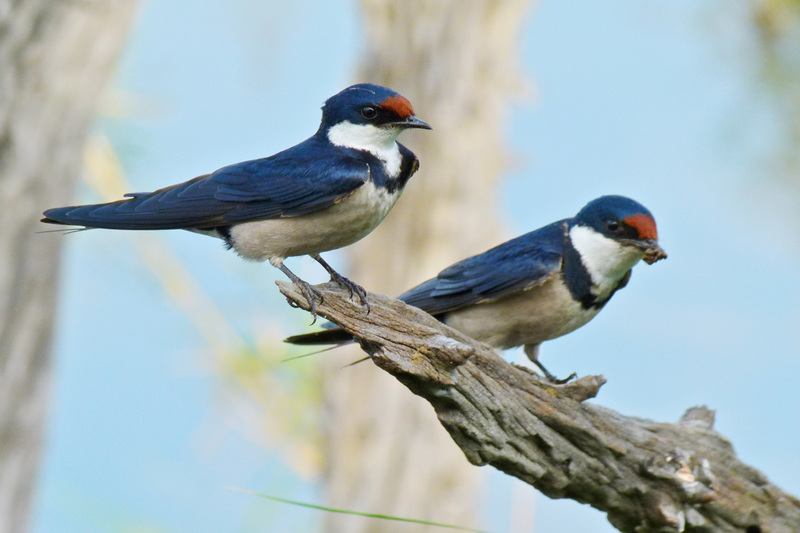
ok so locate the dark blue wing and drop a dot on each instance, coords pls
(306, 178)
(513, 266)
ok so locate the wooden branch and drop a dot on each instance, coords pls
(647, 476)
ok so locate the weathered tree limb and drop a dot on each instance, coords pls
(647, 476)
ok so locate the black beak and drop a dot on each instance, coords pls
(412, 122)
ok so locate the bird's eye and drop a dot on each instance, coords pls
(369, 112)
(612, 226)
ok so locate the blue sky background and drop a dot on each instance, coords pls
(651, 100)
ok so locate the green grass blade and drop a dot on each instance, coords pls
(344, 511)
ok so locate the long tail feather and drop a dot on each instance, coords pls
(326, 336)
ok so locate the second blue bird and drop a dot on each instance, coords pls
(327, 192)
(539, 286)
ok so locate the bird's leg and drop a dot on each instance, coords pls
(532, 351)
(354, 288)
(310, 293)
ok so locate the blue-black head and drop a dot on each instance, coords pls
(370, 104)
(623, 220)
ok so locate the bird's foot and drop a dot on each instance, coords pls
(312, 296)
(310, 293)
(354, 288)
(550, 377)
(555, 381)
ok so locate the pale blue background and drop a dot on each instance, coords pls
(651, 100)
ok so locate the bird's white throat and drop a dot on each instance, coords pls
(380, 142)
(606, 260)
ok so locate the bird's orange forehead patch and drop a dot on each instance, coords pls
(644, 224)
(399, 105)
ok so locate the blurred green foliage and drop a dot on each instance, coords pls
(777, 24)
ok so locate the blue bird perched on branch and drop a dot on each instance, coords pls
(539, 286)
(327, 192)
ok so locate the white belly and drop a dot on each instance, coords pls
(530, 317)
(340, 225)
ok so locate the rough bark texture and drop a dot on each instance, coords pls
(55, 57)
(456, 61)
(647, 476)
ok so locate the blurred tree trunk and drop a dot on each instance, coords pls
(456, 60)
(55, 59)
